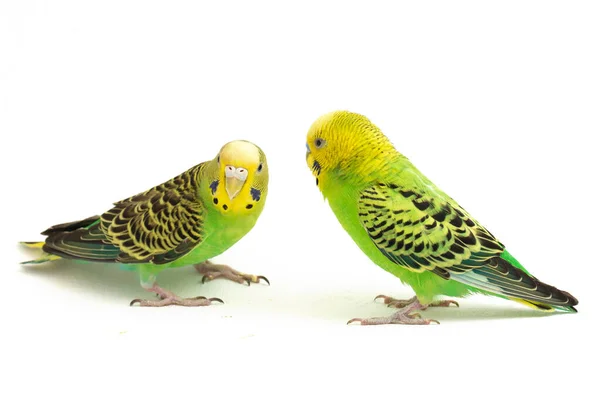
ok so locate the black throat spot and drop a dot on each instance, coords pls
(316, 167)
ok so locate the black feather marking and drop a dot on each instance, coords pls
(71, 226)
(423, 205)
(456, 221)
(157, 207)
(490, 244)
(456, 248)
(379, 225)
(363, 196)
(431, 226)
(441, 272)
(316, 167)
(468, 240)
(388, 228)
(440, 216)
(377, 236)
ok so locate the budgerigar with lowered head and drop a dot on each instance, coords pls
(411, 228)
(184, 221)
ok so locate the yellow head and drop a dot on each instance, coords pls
(240, 178)
(341, 140)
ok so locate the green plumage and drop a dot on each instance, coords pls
(186, 220)
(407, 225)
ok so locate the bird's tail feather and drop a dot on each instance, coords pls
(65, 241)
(32, 245)
(501, 278)
(43, 259)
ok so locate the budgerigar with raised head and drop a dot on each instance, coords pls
(184, 221)
(411, 228)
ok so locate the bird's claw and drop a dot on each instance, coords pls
(218, 300)
(135, 301)
(355, 320)
(236, 277)
(264, 278)
(382, 296)
(443, 303)
(395, 303)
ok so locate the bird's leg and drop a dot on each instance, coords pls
(168, 298)
(392, 302)
(215, 271)
(407, 315)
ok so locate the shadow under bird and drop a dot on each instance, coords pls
(412, 229)
(184, 221)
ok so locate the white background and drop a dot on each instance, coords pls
(497, 104)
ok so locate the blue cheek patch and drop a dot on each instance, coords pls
(307, 148)
(213, 186)
(255, 193)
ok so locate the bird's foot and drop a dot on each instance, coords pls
(395, 303)
(443, 303)
(170, 299)
(407, 315)
(215, 271)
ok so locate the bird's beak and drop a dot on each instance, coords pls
(233, 185)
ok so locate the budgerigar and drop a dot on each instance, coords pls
(410, 228)
(184, 221)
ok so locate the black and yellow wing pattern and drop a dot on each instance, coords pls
(157, 226)
(423, 230)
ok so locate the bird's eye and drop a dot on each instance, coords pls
(319, 143)
(219, 159)
(259, 167)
